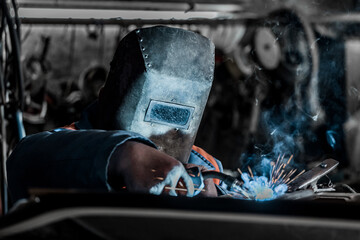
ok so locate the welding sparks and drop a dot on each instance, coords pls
(261, 188)
(251, 174)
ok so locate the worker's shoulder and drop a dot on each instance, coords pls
(34, 137)
(199, 156)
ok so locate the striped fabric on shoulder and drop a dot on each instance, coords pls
(70, 127)
(210, 158)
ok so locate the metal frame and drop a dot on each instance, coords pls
(136, 22)
(168, 5)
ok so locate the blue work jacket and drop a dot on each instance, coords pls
(81, 156)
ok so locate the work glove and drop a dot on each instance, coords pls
(141, 168)
(208, 189)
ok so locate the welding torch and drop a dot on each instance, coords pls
(199, 177)
(230, 181)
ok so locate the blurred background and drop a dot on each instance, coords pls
(286, 77)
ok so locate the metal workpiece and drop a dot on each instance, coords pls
(307, 194)
(310, 194)
(311, 177)
(346, 197)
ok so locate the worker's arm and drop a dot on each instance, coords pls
(141, 168)
(84, 160)
(64, 160)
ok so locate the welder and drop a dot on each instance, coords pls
(139, 134)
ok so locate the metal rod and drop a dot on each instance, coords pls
(58, 2)
(182, 189)
(168, 5)
(127, 22)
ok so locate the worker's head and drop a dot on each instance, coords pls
(158, 86)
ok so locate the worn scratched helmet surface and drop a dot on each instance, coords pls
(158, 86)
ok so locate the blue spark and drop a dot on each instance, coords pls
(331, 138)
(259, 188)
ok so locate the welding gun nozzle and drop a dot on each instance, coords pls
(230, 181)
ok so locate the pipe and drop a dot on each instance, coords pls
(128, 22)
(167, 5)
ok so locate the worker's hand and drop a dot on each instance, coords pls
(209, 189)
(142, 168)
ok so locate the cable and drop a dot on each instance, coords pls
(15, 52)
(17, 20)
(11, 78)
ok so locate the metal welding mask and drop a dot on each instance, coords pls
(166, 102)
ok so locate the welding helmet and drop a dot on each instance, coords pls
(158, 86)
